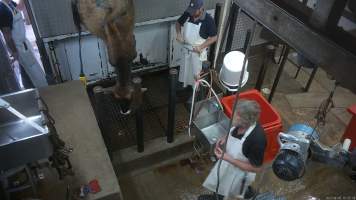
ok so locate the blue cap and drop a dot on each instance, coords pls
(194, 5)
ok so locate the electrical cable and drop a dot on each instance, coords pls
(77, 21)
(196, 86)
(81, 75)
(101, 60)
(323, 110)
(247, 46)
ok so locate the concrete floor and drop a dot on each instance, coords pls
(182, 181)
(179, 179)
(76, 124)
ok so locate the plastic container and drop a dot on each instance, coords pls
(270, 120)
(350, 132)
(232, 68)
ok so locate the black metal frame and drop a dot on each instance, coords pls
(268, 56)
(40, 44)
(279, 73)
(137, 107)
(230, 37)
(173, 77)
(216, 18)
(320, 50)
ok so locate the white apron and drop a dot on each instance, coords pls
(192, 62)
(25, 50)
(231, 177)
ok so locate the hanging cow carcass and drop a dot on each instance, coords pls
(113, 22)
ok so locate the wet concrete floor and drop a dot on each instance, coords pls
(182, 181)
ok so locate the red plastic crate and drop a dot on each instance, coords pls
(270, 120)
(272, 148)
(350, 132)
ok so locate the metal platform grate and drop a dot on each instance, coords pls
(119, 131)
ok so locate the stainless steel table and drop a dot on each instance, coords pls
(22, 141)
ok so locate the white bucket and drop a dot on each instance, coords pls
(230, 73)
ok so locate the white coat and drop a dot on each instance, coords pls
(25, 50)
(232, 179)
(192, 62)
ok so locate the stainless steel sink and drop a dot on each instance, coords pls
(20, 142)
(212, 124)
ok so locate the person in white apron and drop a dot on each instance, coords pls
(23, 51)
(237, 172)
(199, 32)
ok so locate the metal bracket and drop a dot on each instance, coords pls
(4, 104)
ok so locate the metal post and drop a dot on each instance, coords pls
(310, 81)
(57, 75)
(298, 71)
(247, 45)
(223, 26)
(234, 14)
(138, 113)
(39, 41)
(99, 95)
(282, 53)
(216, 18)
(268, 56)
(249, 38)
(172, 104)
(278, 76)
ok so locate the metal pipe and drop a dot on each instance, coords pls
(99, 96)
(57, 75)
(310, 81)
(249, 38)
(234, 15)
(278, 76)
(268, 56)
(248, 41)
(298, 71)
(216, 18)
(282, 52)
(224, 20)
(173, 74)
(137, 83)
(39, 41)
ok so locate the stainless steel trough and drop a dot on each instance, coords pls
(22, 141)
(212, 124)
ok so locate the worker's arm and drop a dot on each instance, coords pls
(243, 165)
(179, 32)
(180, 22)
(6, 31)
(178, 28)
(208, 42)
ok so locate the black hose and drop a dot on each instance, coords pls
(77, 23)
(80, 54)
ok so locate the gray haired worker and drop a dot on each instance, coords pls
(243, 158)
